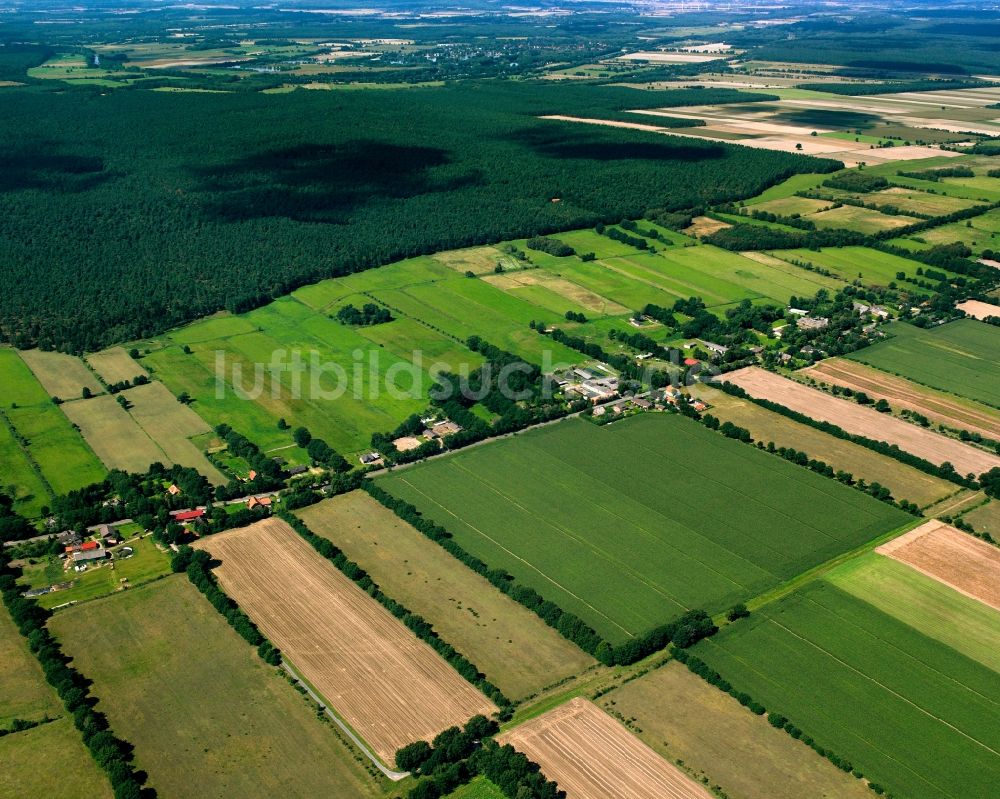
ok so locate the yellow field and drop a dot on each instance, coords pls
(114, 365)
(61, 375)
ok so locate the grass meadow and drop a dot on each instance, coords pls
(959, 357)
(50, 761)
(901, 705)
(853, 263)
(629, 525)
(172, 676)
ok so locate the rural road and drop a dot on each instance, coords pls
(395, 776)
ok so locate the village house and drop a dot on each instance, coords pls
(183, 516)
(370, 459)
(173, 490)
(259, 502)
(812, 322)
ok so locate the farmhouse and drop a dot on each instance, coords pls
(259, 502)
(173, 490)
(88, 546)
(84, 556)
(187, 515)
(445, 428)
(812, 322)
(715, 349)
(370, 459)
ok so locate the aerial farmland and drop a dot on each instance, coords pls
(424, 401)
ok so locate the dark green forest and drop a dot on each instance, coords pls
(125, 213)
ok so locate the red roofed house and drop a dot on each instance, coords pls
(254, 502)
(188, 515)
(86, 546)
(690, 361)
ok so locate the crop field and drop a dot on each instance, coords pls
(113, 434)
(685, 719)
(61, 375)
(392, 688)
(863, 220)
(900, 705)
(592, 756)
(969, 565)
(65, 460)
(171, 425)
(626, 526)
(853, 263)
(903, 481)
(114, 365)
(982, 234)
(514, 648)
(959, 357)
(918, 201)
(172, 676)
(955, 412)
(924, 603)
(786, 206)
(865, 421)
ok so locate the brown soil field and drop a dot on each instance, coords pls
(967, 564)
(592, 756)
(512, 646)
(905, 482)
(705, 226)
(392, 688)
(687, 720)
(961, 414)
(511, 281)
(979, 310)
(863, 421)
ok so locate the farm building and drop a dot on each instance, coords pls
(187, 515)
(812, 323)
(87, 546)
(173, 490)
(259, 502)
(85, 556)
(370, 459)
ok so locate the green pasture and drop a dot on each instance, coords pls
(629, 525)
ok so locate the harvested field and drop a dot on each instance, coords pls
(864, 421)
(905, 482)
(480, 260)
(514, 648)
(527, 284)
(115, 365)
(392, 688)
(684, 718)
(939, 407)
(979, 310)
(863, 220)
(967, 564)
(659, 57)
(61, 375)
(705, 226)
(592, 756)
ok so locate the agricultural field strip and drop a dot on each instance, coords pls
(904, 393)
(548, 477)
(513, 554)
(592, 756)
(391, 687)
(862, 420)
(891, 690)
(755, 668)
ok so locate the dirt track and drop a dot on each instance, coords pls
(970, 566)
(388, 685)
(592, 756)
(863, 421)
(901, 393)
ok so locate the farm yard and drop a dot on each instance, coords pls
(592, 756)
(938, 406)
(685, 719)
(389, 686)
(863, 421)
(905, 482)
(970, 566)
(515, 649)
(959, 357)
(173, 677)
(876, 691)
(541, 506)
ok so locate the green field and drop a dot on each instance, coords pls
(173, 677)
(959, 357)
(902, 706)
(479, 788)
(853, 263)
(515, 649)
(979, 233)
(863, 220)
(629, 525)
(60, 453)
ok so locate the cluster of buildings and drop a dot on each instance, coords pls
(436, 430)
(589, 385)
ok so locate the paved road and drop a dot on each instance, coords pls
(395, 776)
